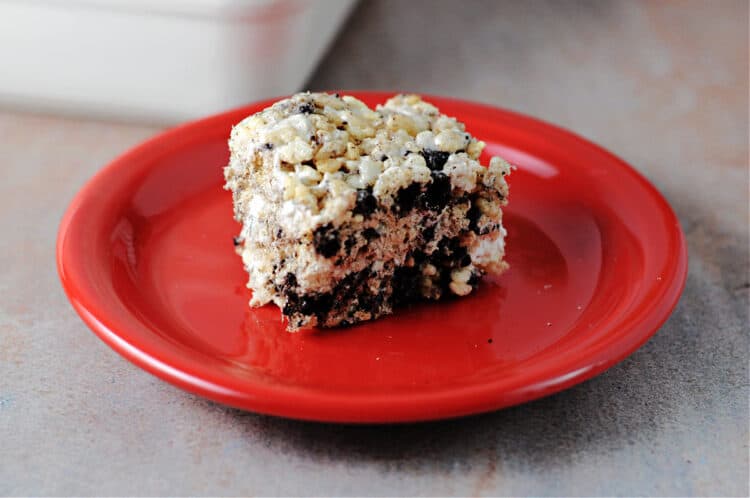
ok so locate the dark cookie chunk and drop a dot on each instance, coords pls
(308, 304)
(319, 304)
(459, 253)
(290, 280)
(474, 279)
(473, 214)
(406, 197)
(435, 159)
(288, 284)
(405, 285)
(350, 242)
(370, 234)
(366, 202)
(450, 254)
(438, 192)
(326, 240)
(419, 257)
(444, 281)
(306, 108)
(448, 246)
(370, 302)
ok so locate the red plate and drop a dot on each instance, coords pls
(598, 261)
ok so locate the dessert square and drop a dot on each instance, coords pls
(348, 212)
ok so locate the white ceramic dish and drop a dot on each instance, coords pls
(159, 60)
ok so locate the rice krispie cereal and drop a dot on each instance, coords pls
(348, 212)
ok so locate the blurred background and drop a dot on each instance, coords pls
(662, 84)
(159, 60)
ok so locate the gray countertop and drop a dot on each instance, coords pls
(662, 84)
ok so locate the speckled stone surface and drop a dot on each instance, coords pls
(662, 84)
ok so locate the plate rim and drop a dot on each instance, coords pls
(331, 407)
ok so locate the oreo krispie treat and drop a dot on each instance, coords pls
(348, 212)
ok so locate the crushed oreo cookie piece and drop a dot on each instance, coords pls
(435, 159)
(370, 234)
(473, 215)
(366, 203)
(306, 108)
(406, 198)
(438, 192)
(326, 240)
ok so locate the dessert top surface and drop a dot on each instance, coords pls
(316, 150)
